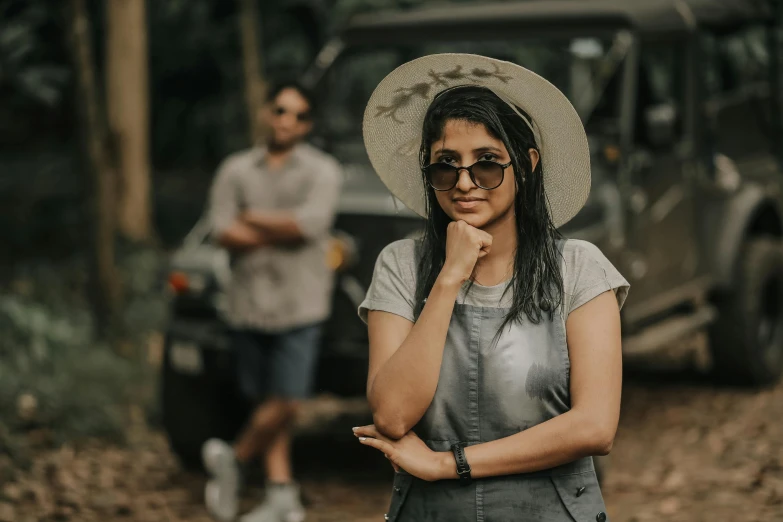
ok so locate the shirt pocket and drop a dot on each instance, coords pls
(400, 488)
(581, 496)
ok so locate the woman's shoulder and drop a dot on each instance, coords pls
(587, 272)
(401, 252)
(577, 251)
(402, 248)
(393, 285)
(398, 257)
(581, 256)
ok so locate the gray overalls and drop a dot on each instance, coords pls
(490, 388)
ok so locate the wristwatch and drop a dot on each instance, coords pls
(463, 468)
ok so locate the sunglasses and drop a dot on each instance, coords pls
(300, 116)
(485, 174)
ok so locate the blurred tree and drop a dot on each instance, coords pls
(107, 292)
(127, 101)
(255, 88)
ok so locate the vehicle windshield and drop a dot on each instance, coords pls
(586, 69)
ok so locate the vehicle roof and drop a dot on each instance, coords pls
(654, 16)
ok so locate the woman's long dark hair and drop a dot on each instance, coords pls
(537, 282)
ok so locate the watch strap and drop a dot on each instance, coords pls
(463, 468)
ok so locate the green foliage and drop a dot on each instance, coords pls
(51, 357)
(34, 71)
(28, 68)
(47, 350)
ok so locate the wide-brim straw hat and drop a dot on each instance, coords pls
(394, 118)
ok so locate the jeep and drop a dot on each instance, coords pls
(681, 104)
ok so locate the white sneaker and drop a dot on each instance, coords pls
(282, 504)
(221, 493)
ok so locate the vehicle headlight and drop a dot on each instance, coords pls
(342, 253)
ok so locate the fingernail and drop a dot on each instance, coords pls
(362, 438)
(354, 429)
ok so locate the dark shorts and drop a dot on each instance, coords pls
(277, 365)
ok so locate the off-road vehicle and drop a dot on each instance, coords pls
(681, 103)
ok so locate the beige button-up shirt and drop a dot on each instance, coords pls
(275, 288)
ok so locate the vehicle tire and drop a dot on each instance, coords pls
(747, 339)
(199, 406)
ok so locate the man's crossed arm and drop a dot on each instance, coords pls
(252, 229)
(256, 229)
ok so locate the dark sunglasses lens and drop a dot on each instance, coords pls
(441, 176)
(488, 174)
(300, 116)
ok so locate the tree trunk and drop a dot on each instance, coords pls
(107, 291)
(127, 95)
(255, 89)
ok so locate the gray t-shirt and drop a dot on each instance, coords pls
(586, 274)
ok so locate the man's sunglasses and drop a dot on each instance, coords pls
(485, 174)
(300, 116)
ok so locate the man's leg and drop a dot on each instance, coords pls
(293, 361)
(221, 460)
(267, 436)
(278, 458)
(267, 421)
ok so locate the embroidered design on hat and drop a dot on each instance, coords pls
(404, 95)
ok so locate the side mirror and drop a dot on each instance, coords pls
(661, 125)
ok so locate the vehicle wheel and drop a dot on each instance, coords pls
(747, 339)
(196, 406)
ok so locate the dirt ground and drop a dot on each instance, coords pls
(685, 451)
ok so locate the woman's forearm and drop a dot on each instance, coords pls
(561, 440)
(404, 387)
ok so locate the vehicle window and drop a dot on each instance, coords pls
(735, 77)
(661, 92)
(735, 60)
(349, 86)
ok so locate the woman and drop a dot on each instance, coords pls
(495, 360)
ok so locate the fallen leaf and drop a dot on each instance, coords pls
(7, 513)
(670, 506)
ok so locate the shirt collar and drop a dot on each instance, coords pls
(260, 152)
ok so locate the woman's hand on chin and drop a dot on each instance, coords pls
(411, 454)
(465, 245)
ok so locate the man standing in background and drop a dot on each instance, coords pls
(272, 207)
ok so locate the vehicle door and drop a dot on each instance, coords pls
(662, 254)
